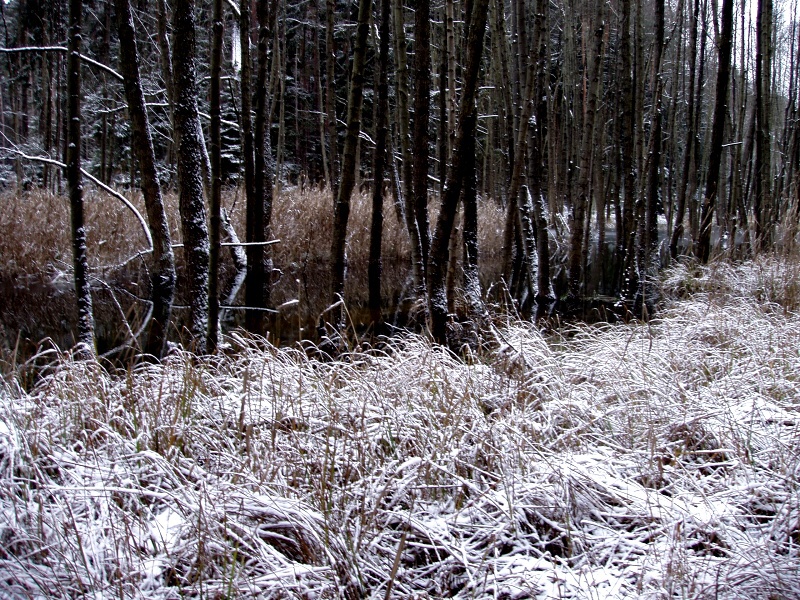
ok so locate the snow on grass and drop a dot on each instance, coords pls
(614, 461)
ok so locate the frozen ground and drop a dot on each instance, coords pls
(626, 461)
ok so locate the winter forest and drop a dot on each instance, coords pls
(400, 299)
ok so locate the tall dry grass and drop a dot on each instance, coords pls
(35, 272)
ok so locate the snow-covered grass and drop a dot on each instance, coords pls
(656, 460)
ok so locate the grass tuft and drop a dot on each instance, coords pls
(628, 460)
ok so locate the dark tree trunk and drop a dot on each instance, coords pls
(190, 172)
(341, 212)
(254, 282)
(717, 131)
(165, 52)
(217, 26)
(264, 167)
(626, 233)
(647, 243)
(525, 219)
(650, 240)
(762, 164)
(439, 253)
(163, 275)
(330, 95)
(538, 160)
(578, 216)
(422, 91)
(695, 170)
(404, 136)
(688, 147)
(469, 199)
(379, 167)
(83, 293)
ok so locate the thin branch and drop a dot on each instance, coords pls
(98, 183)
(207, 117)
(84, 58)
(234, 7)
(127, 203)
(269, 243)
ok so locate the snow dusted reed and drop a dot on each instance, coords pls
(626, 461)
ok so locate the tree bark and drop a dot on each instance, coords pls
(688, 147)
(163, 274)
(439, 253)
(264, 166)
(379, 167)
(762, 202)
(538, 161)
(217, 29)
(717, 131)
(190, 172)
(578, 216)
(341, 212)
(404, 136)
(422, 92)
(85, 332)
(330, 96)
(165, 53)
(650, 239)
(469, 199)
(254, 281)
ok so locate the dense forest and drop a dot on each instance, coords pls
(471, 299)
(598, 141)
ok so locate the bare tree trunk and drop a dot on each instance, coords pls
(627, 232)
(422, 89)
(688, 147)
(443, 135)
(217, 26)
(650, 239)
(404, 135)
(439, 254)
(379, 167)
(647, 210)
(762, 199)
(321, 109)
(263, 171)
(341, 212)
(83, 293)
(718, 129)
(469, 199)
(165, 52)
(254, 282)
(538, 161)
(695, 169)
(163, 275)
(330, 96)
(190, 172)
(525, 220)
(450, 45)
(578, 217)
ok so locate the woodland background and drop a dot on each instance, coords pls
(442, 173)
(574, 148)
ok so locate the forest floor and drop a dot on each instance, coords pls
(654, 460)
